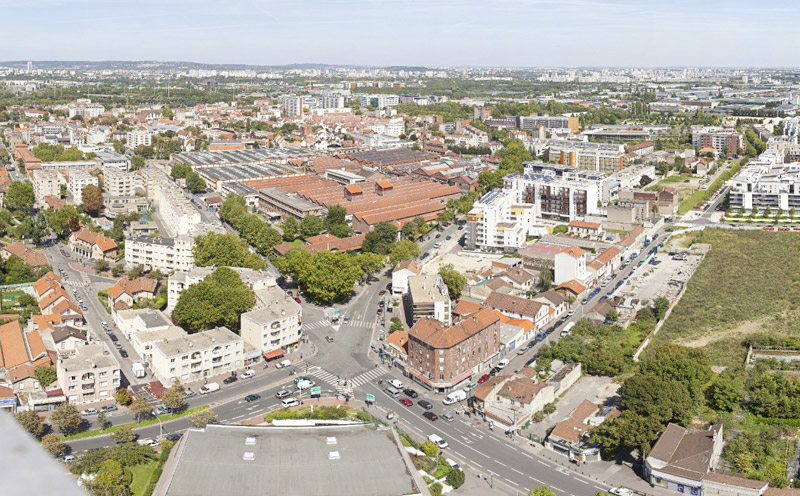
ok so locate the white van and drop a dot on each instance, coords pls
(567, 329)
(397, 384)
(438, 441)
(454, 397)
(393, 392)
(209, 388)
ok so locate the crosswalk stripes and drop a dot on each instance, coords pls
(362, 323)
(315, 325)
(367, 376)
(322, 374)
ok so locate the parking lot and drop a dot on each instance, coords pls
(664, 278)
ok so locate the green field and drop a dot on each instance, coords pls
(141, 476)
(749, 283)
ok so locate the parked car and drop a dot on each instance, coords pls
(484, 378)
(430, 416)
(230, 379)
(406, 402)
(447, 417)
(69, 458)
(108, 408)
(89, 411)
(248, 374)
(161, 410)
(290, 402)
(189, 393)
(283, 364)
(410, 393)
(382, 292)
(329, 339)
(620, 491)
(123, 353)
(502, 363)
(252, 397)
(282, 394)
(173, 437)
(425, 404)
(113, 337)
(117, 345)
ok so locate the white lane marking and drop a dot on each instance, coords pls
(556, 488)
(477, 464)
(581, 480)
(237, 418)
(517, 471)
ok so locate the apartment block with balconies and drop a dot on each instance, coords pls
(195, 357)
(91, 374)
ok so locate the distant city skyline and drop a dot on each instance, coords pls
(507, 33)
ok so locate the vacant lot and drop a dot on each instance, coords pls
(749, 282)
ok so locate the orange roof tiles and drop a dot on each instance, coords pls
(13, 351)
(27, 254)
(435, 335)
(91, 237)
(573, 286)
(573, 251)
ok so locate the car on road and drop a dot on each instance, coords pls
(252, 397)
(148, 442)
(502, 363)
(301, 379)
(117, 345)
(108, 408)
(283, 364)
(493, 372)
(290, 293)
(173, 437)
(448, 237)
(69, 458)
(248, 374)
(484, 378)
(162, 409)
(531, 362)
(89, 411)
(123, 353)
(406, 402)
(410, 393)
(346, 320)
(230, 379)
(382, 292)
(283, 393)
(329, 339)
(425, 404)
(113, 337)
(189, 393)
(447, 417)
(290, 402)
(430, 416)
(620, 491)
(297, 299)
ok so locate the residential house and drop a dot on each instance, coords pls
(441, 357)
(125, 292)
(518, 278)
(66, 339)
(555, 301)
(570, 263)
(584, 229)
(570, 437)
(276, 322)
(93, 245)
(401, 273)
(20, 354)
(605, 263)
(30, 256)
(511, 401)
(428, 298)
(520, 308)
(194, 357)
(396, 345)
(573, 290)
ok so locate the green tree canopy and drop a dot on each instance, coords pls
(310, 226)
(665, 400)
(218, 300)
(454, 281)
(92, 198)
(403, 250)
(329, 276)
(19, 196)
(225, 250)
(337, 214)
(380, 239)
(290, 229)
(180, 171)
(233, 208)
(195, 183)
(689, 366)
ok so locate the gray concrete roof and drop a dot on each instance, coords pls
(289, 461)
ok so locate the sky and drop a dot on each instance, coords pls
(513, 33)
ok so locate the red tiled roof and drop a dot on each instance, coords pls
(436, 335)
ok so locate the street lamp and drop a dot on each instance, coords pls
(160, 426)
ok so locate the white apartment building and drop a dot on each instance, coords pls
(332, 101)
(194, 357)
(255, 279)
(498, 222)
(275, 324)
(292, 105)
(138, 137)
(45, 183)
(763, 184)
(176, 211)
(91, 374)
(118, 182)
(85, 108)
(163, 254)
(379, 101)
(429, 298)
(563, 198)
(77, 181)
(570, 264)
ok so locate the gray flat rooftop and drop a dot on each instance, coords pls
(248, 171)
(221, 157)
(289, 461)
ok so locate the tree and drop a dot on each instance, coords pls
(454, 281)
(180, 171)
(102, 421)
(63, 221)
(455, 478)
(546, 279)
(167, 112)
(203, 417)
(665, 400)
(45, 375)
(627, 433)
(290, 229)
(140, 407)
(145, 151)
(341, 230)
(403, 250)
(292, 262)
(445, 218)
(112, 480)
(53, 444)
(310, 226)
(688, 366)
(19, 196)
(370, 263)
(541, 491)
(217, 300)
(612, 315)
(92, 198)
(124, 434)
(337, 215)
(195, 183)
(173, 397)
(330, 276)
(430, 448)
(123, 397)
(101, 265)
(225, 250)
(31, 422)
(66, 418)
(380, 239)
(726, 392)
(137, 162)
(233, 208)
(397, 324)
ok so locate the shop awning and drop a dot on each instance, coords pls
(272, 355)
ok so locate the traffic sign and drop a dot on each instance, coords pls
(316, 390)
(370, 398)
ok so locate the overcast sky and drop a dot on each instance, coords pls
(407, 32)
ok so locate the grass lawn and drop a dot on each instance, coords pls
(298, 243)
(141, 476)
(749, 283)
